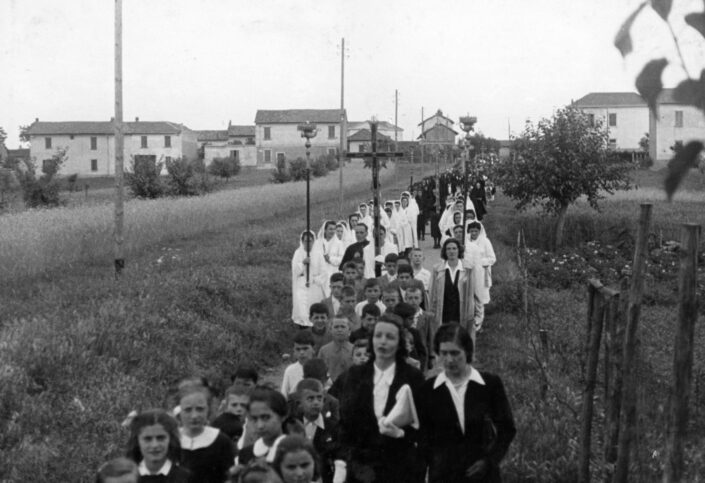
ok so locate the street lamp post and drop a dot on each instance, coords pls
(467, 124)
(308, 131)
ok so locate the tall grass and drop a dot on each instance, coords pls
(41, 240)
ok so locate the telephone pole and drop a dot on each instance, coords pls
(119, 145)
(343, 124)
(396, 112)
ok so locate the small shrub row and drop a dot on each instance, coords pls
(296, 169)
(184, 177)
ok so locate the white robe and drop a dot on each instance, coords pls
(480, 254)
(406, 240)
(335, 251)
(302, 296)
(412, 212)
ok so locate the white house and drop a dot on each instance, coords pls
(277, 135)
(91, 145)
(383, 127)
(237, 142)
(627, 117)
(361, 142)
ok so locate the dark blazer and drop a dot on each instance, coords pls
(448, 451)
(372, 457)
(354, 250)
(427, 326)
(326, 443)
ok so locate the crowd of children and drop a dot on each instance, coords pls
(260, 433)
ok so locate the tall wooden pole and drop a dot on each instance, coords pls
(375, 187)
(683, 353)
(119, 145)
(396, 112)
(343, 126)
(628, 407)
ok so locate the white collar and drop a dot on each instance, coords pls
(318, 422)
(203, 440)
(474, 376)
(386, 376)
(164, 470)
(260, 449)
(418, 313)
(459, 266)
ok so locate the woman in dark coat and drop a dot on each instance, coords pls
(478, 196)
(376, 452)
(466, 421)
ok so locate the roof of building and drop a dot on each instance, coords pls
(296, 116)
(437, 126)
(380, 125)
(366, 135)
(247, 131)
(212, 135)
(438, 113)
(505, 143)
(610, 99)
(103, 127)
(18, 153)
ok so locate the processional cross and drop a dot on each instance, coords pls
(375, 178)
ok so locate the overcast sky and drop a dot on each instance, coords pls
(205, 62)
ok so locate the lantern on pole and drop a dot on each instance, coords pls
(467, 124)
(308, 131)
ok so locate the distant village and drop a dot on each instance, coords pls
(274, 135)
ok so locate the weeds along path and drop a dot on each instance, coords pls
(207, 287)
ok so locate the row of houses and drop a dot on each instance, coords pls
(91, 145)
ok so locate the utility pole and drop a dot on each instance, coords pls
(119, 145)
(396, 111)
(343, 125)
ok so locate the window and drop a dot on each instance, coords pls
(167, 141)
(331, 132)
(46, 165)
(281, 157)
(613, 120)
(679, 118)
(613, 143)
(167, 159)
(267, 133)
(47, 143)
(267, 155)
(591, 119)
(94, 165)
(332, 151)
(235, 154)
(361, 148)
(94, 143)
(144, 141)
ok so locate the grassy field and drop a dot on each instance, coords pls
(546, 447)
(207, 286)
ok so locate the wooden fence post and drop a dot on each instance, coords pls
(627, 419)
(613, 394)
(597, 312)
(683, 353)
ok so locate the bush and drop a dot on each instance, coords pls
(224, 167)
(144, 180)
(297, 169)
(281, 173)
(331, 162)
(71, 181)
(43, 190)
(319, 167)
(182, 177)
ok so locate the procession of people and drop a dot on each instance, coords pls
(383, 386)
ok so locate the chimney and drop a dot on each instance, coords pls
(137, 119)
(36, 119)
(112, 119)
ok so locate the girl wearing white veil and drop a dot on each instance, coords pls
(302, 296)
(455, 219)
(328, 250)
(412, 212)
(404, 233)
(480, 254)
(343, 233)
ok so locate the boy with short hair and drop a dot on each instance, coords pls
(360, 279)
(390, 298)
(423, 321)
(373, 292)
(420, 273)
(337, 280)
(320, 430)
(232, 420)
(245, 376)
(316, 369)
(337, 354)
(318, 315)
(303, 351)
(390, 267)
(361, 352)
(347, 307)
(404, 276)
(350, 273)
(370, 314)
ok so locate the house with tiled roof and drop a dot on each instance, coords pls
(627, 117)
(361, 142)
(437, 129)
(277, 135)
(236, 141)
(91, 145)
(383, 127)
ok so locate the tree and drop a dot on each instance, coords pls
(3, 136)
(41, 190)
(690, 91)
(559, 160)
(24, 134)
(224, 167)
